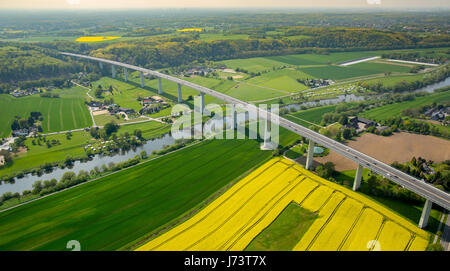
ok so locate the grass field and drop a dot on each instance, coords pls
(65, 113)
(356, 70)
(285, 231)
(116, 210)
(101, 120)
(314, 115)
(73, 147)
(251, 206)
(285, 80)
(395, 109)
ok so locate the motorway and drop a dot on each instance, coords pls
(413, 184)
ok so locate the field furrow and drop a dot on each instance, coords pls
(339, 219)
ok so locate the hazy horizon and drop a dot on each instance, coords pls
(279, 4)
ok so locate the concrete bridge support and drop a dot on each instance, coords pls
(125, 74)
(113, 71)
(425, 214)
(310, 155)
(180, 96)
(100, 64)
(202, 102)
(235, 124)
(266, 145)
(142, 79)
(357, 182)
(160, 91)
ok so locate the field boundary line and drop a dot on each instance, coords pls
(248, 228)
(190, 213)
(61, 115)
(349, 232)
(306, 121)
(326, 222)
(235, 212)
(223, 202)
(73, 114)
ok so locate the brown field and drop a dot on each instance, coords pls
(400, 147)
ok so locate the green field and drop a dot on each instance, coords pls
(316, 59)
(101, 120)
(285, 231)
(284, 80)
(37, 155)
(314, 115)
(395, 109)
(356, 70)
(65, 113)
(116, 210)
(73, 147)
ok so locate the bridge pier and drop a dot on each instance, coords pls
(160, 90)
(180, 97)
(235, 124)
(202, 102)
(113, 71)
(125, 73)
(266, 145)
(310, 155)
(425, 214)
(142, 79)
(357, 182)
(100, 64)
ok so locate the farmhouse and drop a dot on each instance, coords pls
(360, 124)
(126, 110)
(20, 132)
(438, 114)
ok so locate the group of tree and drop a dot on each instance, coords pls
(404, 86)
(179, 50)
(22, 123)
(416, 126)
(437, 174)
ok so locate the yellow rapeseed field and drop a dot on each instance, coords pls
(346, 220)
(94, 39)
(190, 30)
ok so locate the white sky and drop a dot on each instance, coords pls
(90, 4)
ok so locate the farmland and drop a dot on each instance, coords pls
(395, 109)
(310, 116)
(356, 70)
(116, 210)
(345, 220)
(65, 113)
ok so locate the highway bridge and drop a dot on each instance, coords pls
(429, 192)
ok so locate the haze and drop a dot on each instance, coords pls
(131, 4)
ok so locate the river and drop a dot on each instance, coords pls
(26, 183)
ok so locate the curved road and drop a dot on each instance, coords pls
(425, 190)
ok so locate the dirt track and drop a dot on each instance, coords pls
(400, 147)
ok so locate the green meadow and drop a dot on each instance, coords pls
(314, 115)
(59, 114)
(73, 147)
(396, 109)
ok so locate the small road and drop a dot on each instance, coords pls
(445, 238)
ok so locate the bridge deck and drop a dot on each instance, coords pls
(411, 183)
